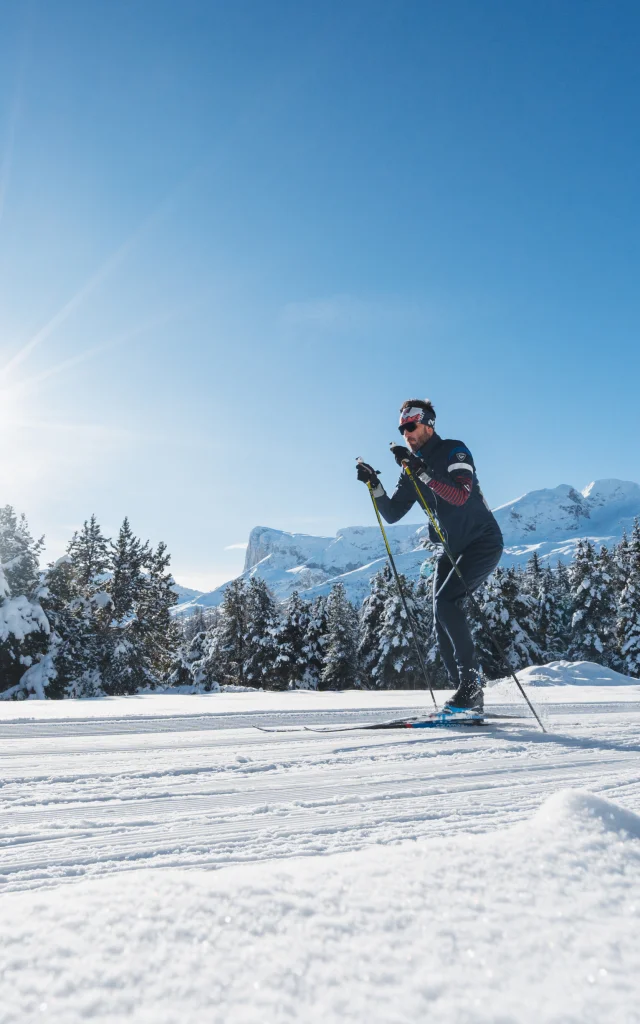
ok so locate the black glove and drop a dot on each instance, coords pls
(403, 456)
(367, 474)
(399, 452)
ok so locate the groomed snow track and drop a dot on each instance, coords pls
(90, 796)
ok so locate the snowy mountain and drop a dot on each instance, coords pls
(186, 595)
(549, 521)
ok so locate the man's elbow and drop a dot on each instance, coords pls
(392, 515)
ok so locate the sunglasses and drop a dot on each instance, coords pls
(407, 428)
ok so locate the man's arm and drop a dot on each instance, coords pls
(395, 507)
(456, 487)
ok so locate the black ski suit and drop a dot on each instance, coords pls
(472, 532)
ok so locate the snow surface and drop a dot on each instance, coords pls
(576, 673)
(464, 876)
(549, 521)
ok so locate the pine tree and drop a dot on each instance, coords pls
(593, 620)
(371, 615)
(292, 661)
(545, 618)
(193, 624)
(25, 661)
(75, 646)
(628, 618)
(195, 663)
(548, 617)
(89, 554)
(510, 614)
(609, 610)
(315, 642)
(20, 553)
(128, 558)
(157, 632)
(398, 666)
(261, 641)
(533, 574)
(226, 645)
(126, 668)
(79, 609)
(564, 607)
(339, 670)
(622, 559)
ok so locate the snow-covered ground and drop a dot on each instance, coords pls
(446, 876)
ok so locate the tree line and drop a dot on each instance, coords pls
(99, 621)
(586, 611)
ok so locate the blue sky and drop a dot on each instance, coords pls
(234, 237)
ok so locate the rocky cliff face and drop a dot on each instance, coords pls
(348, 550)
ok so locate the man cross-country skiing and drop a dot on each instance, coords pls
(445, 473)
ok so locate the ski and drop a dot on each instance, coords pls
(280, 728)
(435, 721)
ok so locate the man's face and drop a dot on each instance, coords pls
(415, 439)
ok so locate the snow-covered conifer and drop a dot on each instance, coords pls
(156, 629)
(628, 618)
(510, 614)
(621, 555)
(315, 641)
(594, 606)
(88, 550)
(79, 609)
(292, 660)
(226, 644)
(193, 624)
(533, 573)
(195, 663)
(369, 641)
(564, 606)
(550, 617)
(128, 558)
(75, 647)
(261, 666)
(545, 621)
(126, 668)
(398, 666)
(25, 664)
(339, 670)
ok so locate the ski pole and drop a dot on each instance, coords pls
(410, 619)
(479, 612)
(447, 578)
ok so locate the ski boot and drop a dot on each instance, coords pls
(468, 699)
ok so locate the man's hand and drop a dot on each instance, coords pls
(404, 457)
(399, 452)
(367, 474)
